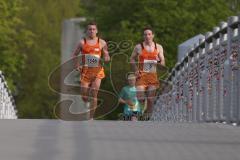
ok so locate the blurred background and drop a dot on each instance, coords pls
(30, 38)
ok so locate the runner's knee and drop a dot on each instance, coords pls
(85, 98)
(94, 93)
(151, 98)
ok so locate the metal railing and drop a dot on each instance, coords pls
(7, 104)
(206, 83)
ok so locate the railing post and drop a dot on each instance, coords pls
(190, 84)
(223, 57)
(180, 92)
(186, 88)
(174, 92)
(233, 53)
(201, 85)
(177, 92)
(195, 81)
(208, 76)
(215, 72)
(228, 75)
(238, 71)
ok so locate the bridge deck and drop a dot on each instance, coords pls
(117, 140)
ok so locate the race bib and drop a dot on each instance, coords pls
(149, 66)
(92, 60)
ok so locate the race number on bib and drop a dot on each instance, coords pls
(149, 66)
(92, 60)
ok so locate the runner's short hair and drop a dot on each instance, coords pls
(92, 23)
(148, 28)
(130, 75)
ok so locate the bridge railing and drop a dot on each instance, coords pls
(206, 83)
(7, 104)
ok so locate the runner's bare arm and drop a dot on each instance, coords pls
(128, 102)
(161, 55)
(76, 53)
(105, 51)
(133, 58)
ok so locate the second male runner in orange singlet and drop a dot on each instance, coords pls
(147, 54)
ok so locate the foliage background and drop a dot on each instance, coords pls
(30, 33)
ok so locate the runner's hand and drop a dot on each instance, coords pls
(130, 104)
(137, 74)
(78, 67)
(161, 67)
(106, 58)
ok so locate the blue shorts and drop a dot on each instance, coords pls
(132, 113)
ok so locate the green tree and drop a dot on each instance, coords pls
(44, 18)
(15, 41)
(234, 5)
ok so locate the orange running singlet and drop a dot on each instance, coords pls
(147, 68)
(91, 55)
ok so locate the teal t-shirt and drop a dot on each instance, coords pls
(129, 93)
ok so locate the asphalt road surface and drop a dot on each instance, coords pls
(117, 140)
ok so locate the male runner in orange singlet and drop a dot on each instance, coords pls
(147, 54)
(91, 70)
